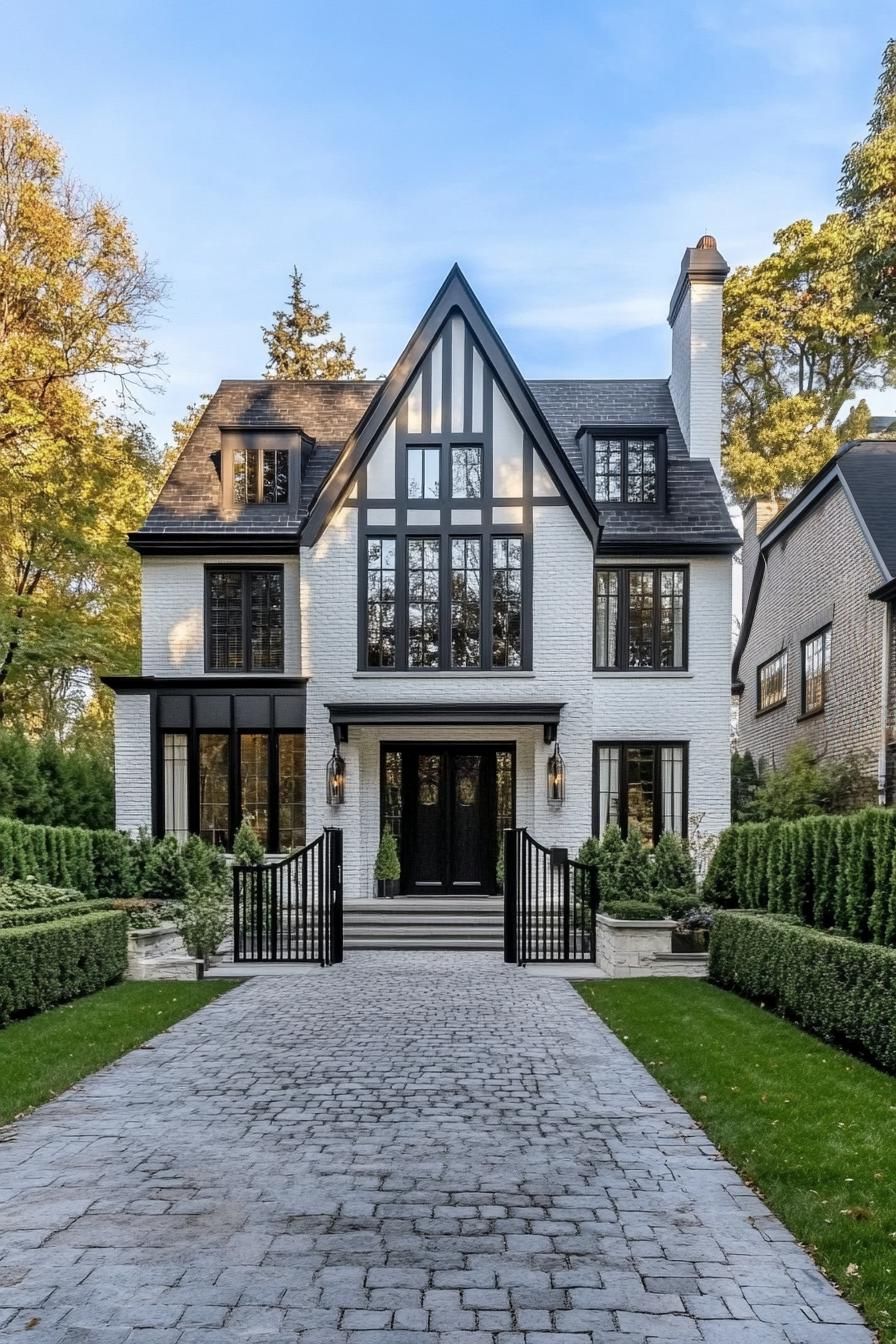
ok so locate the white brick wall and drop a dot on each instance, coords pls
(696, 381)
(173, 607)
(693, 706)
(133, 787)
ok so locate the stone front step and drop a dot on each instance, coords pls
(420, 924)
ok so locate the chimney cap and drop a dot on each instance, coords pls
(704, 264)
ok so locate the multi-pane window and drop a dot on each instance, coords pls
(245, 620)
(626, 470)
(381, 601)
(640, 619)
(466, 601)
(816, 670)
(211, 781)
(423, 473)
(423, 601)
(261, 475)
(643, 785)
(466, 471)
(507, 601)
(771, 679)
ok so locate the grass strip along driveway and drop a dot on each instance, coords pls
(43, 1055)
(811, 1128)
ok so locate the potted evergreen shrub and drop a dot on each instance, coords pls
(387, 868)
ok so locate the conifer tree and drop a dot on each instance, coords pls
(299, 343)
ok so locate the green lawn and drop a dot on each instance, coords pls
(811, 1128)
(43, 1055)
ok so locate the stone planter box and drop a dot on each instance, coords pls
(159, 954)
(630, 947)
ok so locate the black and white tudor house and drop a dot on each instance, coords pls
(372, 604)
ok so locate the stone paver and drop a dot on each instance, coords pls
(413, 1147)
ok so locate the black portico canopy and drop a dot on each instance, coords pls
(440, 714)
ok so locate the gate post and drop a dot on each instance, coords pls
(235, 874)
(511, 951)
(335, 837)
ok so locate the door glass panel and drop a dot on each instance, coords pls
(468, 822)
(392, 795)
(429, 838)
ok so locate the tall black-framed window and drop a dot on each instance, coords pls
(466, 601)
(628, 467)
(244, 618)
(643, 784)
(507, 601)
(381, 601)
(771, 682)
(641, 618)
(816, 668)
(424, 605)
(212, 780)
(261, 475)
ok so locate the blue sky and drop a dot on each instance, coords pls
(563, 153)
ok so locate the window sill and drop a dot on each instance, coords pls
(647, 673)
(761, 713)
(810, 714)
(415, 674)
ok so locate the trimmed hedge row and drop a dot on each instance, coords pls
(834, 872)
(97, 863)
(835, 988)
(45, 964)
(16, 919)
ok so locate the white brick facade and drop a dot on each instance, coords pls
(133, 763)
(696, 380)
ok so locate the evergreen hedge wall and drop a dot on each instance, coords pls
(96, 863)
(45, 964)
(834, 872)
(838, 989)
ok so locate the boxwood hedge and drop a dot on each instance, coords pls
(839, 989)
(16, 919)
(49, 963)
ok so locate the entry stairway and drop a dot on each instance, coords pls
(425, 924)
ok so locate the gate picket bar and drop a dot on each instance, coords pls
(550, 903)
(291, 910)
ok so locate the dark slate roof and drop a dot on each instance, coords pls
(868, 467)
(327, 413)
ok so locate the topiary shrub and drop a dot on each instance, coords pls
(721, 884)
(247, 848)
(675, 904)
(387, 867)
(609, 854)
(632, 910)
(167, 876)
(633, 875)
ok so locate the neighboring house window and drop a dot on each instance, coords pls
(380, 601)
(641, 784)
(260, 475)
(816, 669)
(626, 470)
(771, 677)
(423, 601)
(640, 619)
(244, 620)
(204, 795)
(507, 601)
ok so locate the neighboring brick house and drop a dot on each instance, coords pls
(815, 659)
(426, 586)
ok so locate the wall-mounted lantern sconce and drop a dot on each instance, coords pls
(335, 779)
(556, 778)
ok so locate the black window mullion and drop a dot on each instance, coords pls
(658, 818)
(247, 620)
(657, 618)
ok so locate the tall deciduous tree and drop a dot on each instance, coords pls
(299, 343)
(798, 345)
(75, 297)
(868, 194)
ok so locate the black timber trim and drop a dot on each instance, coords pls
(445, 713)
(229, 683)
(455, 295)
(215, 543)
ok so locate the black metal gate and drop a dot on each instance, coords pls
(291, 910)
(550, 903)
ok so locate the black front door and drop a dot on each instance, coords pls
(450, 816)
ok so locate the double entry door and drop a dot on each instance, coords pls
(453, 801)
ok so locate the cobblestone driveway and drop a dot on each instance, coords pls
(408, 1148)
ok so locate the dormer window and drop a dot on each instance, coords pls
(260, 467)
(627, 467)
(261, 476)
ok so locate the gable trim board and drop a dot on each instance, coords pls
(455, 296)
(829, 476)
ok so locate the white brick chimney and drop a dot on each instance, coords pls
(695, 316)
